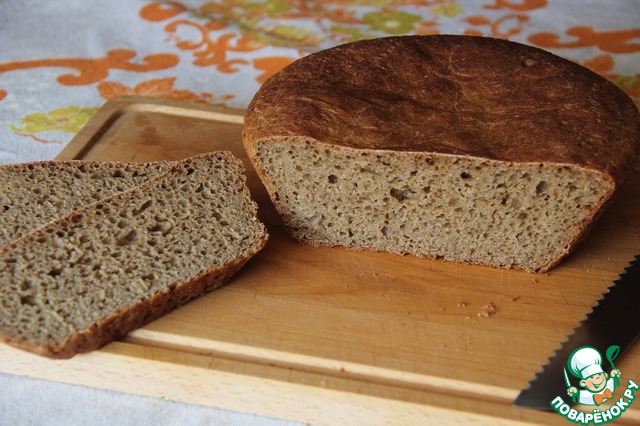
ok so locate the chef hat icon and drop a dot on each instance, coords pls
(585, 362)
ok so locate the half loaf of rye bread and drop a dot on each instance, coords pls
(32, 194)
(468, 149)
(90, 277)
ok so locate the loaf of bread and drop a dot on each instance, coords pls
(32, 194)
(90, 277)
(461, 148)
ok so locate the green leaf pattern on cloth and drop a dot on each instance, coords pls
(68, 120)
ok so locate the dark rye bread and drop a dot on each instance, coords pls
(90, 277)
(469, 149)
(32, 194)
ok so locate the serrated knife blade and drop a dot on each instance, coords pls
(613, 321)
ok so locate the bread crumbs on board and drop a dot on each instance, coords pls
(487, 310)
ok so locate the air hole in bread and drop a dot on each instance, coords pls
(542, 187)
(27, 300)
(143, 207)
(402, 194)
(128, 238)
(54, 272)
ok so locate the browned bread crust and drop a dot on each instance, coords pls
(458, 98)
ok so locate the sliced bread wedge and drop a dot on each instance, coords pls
(90, 277)
(32, 194)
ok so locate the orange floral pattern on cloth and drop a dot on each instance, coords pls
(221, 51)
(503, 27)
(92, 70)
(607, 41)
(227, 27)
(270, 65)
(521, 6)
(156, 88)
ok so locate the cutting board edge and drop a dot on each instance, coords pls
(109, 114)
(113, 109)
(265, 390)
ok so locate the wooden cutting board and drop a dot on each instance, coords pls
(330, 336)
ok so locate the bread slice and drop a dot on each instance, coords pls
(90, 277)
(32, 194)
(467, 149)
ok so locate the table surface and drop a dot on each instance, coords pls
(62, 60)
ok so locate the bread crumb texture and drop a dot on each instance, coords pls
(112, 266)
(459, 209)
(35, 193)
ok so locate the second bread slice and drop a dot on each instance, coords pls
(88, 278)
(32, 194)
